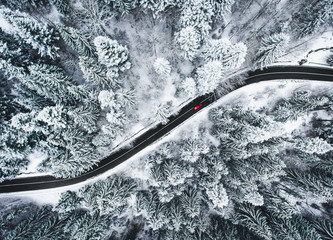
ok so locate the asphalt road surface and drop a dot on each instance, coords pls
(149, 137)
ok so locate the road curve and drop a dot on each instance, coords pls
(147, 138)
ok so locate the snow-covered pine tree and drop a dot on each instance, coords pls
(108, 194)
(162, 67)
(211, 169)
(61, 5)
(25, 5)
(221, 8)
(278, 206)
(24, 121)
(209, 76)
(308, 184)
(68, 201)
(176, 216)
(106, 99)
(198, 14)
(311, 17)
(156, 7)
(189, 41)
(55, 116)
(191, 149)
(124, 6)
(299, 104)
(162, 112)
(88, 226)
(312, 145)
(78, 41)
(85, 117)
(272, 48)
(231, 55)
(112, 131)
(235, 56)
(218, 195)
(40, 36)
(188, 87)
(11, 51)
(51, 82)
(255, 221)
(117, 117)
(126, 98)
(111, 53)
(93, 16)
(191, 202)
(215, 49)
(94, 73)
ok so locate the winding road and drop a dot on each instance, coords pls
(149, 137)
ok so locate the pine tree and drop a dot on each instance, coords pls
(51, 82)
(79, 42)
(231, 55)
(235, 56)
(162, 113)
(86, 117)
(312, 17)
(61, 5)
(176, 216)
(93, 16)
(191, 149)
(209, 76)
(162, 67)
(44, 224)
(198, 14)
(278, 206)
(312, 145)
(117, 117)
(40, 36)
(111, 53)
(308, 183)
(126, 98)
(295, 228)
(189, 41)
(191, 202)
(156, 7)
(88, 227)
(24, 121)
(55, 116)
(68, 201)
(221, 8)
(255, 221)
(108, 195)
(218, 195)
(124, 6)
(325, 229)
(215, 49)
(189, 87)
(95, 73)
(112, 130)
(272, 48)
(25, 5)
(299, 104)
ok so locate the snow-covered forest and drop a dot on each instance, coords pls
(79, 78)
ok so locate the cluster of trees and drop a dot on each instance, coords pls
(45, 108)
(312, 16)
(219, 57)
(271, 49)
(257, 183)
(195, 23)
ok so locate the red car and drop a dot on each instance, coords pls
(197, 107)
